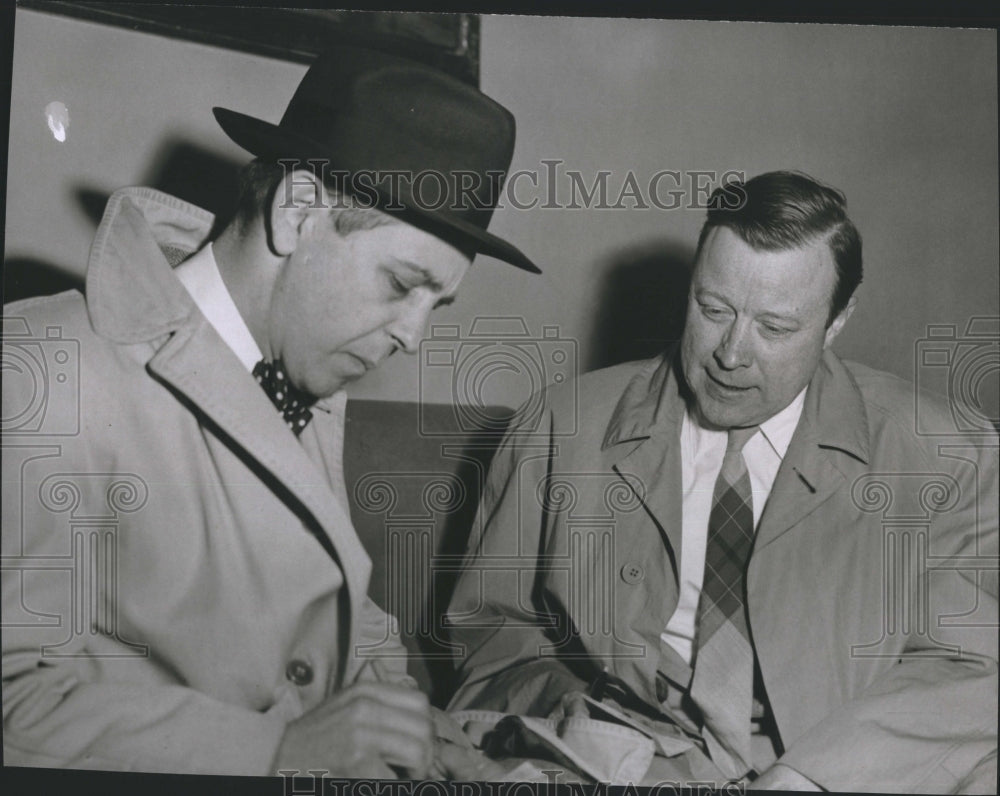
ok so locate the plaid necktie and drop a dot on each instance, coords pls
(292, 403)
(722, 686)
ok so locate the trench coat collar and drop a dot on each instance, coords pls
(833, 411)
(143, 235)
(134, 297)
(833, 423)
(651, 402)
(642, 441)
(143, 232)
(830, 441)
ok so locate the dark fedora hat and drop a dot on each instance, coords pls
(410, 137)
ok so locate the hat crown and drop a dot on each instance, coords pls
(425, 142)
(408, 116)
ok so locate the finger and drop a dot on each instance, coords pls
(371, 768)
(573, 704)
(471, 766)
(397, 748)
(445, 727)
(456, 762)
(390, 694)
(380, 671)
(402, 736)
(380, 716)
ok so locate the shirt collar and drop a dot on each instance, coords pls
(200, 275)
(777, 429)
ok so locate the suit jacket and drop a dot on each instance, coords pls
(181, 576)
(872, 589)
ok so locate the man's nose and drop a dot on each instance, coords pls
(733, 350)
(411, 326)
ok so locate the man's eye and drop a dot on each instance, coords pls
(713, 312)
(775, 331)
(398, 285)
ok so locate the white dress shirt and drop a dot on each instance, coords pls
(702, 452)
(199, 273)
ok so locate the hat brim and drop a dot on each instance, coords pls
(267, 140)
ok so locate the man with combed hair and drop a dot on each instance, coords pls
(191, 481)
(746, 541)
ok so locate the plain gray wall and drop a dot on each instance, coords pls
(903, 120)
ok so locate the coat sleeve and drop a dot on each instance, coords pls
(928, 721)
(494, 614)
(91, 704)
(55, 718)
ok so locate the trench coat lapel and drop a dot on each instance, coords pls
(829, 448)
(196, 363)
(833, 422)
(643, 444)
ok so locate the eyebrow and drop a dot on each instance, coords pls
(777, 316)
(428, 279)
(774, 316)
(426, 275)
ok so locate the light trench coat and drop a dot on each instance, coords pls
(181, 577)
(872, 586)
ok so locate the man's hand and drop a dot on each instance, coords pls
(449, 730)
(455, 758)
(572, 704)
(467, 764)
(361, 732)
(779, 777)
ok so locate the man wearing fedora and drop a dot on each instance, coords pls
(207, 618)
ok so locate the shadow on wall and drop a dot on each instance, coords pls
(187, 172)
(642, 303)
(180, 168)
(199, 177)
(26, 277)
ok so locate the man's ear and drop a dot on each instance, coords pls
(838, 323)
(299, 194)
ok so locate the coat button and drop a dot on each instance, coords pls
(632, 573)
(299, 672)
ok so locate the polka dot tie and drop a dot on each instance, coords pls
(292, 403)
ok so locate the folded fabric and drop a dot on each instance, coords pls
(669, 738)
(599, 750)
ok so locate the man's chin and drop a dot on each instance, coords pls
(331, 389)
(719, 416)
(321, 389)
